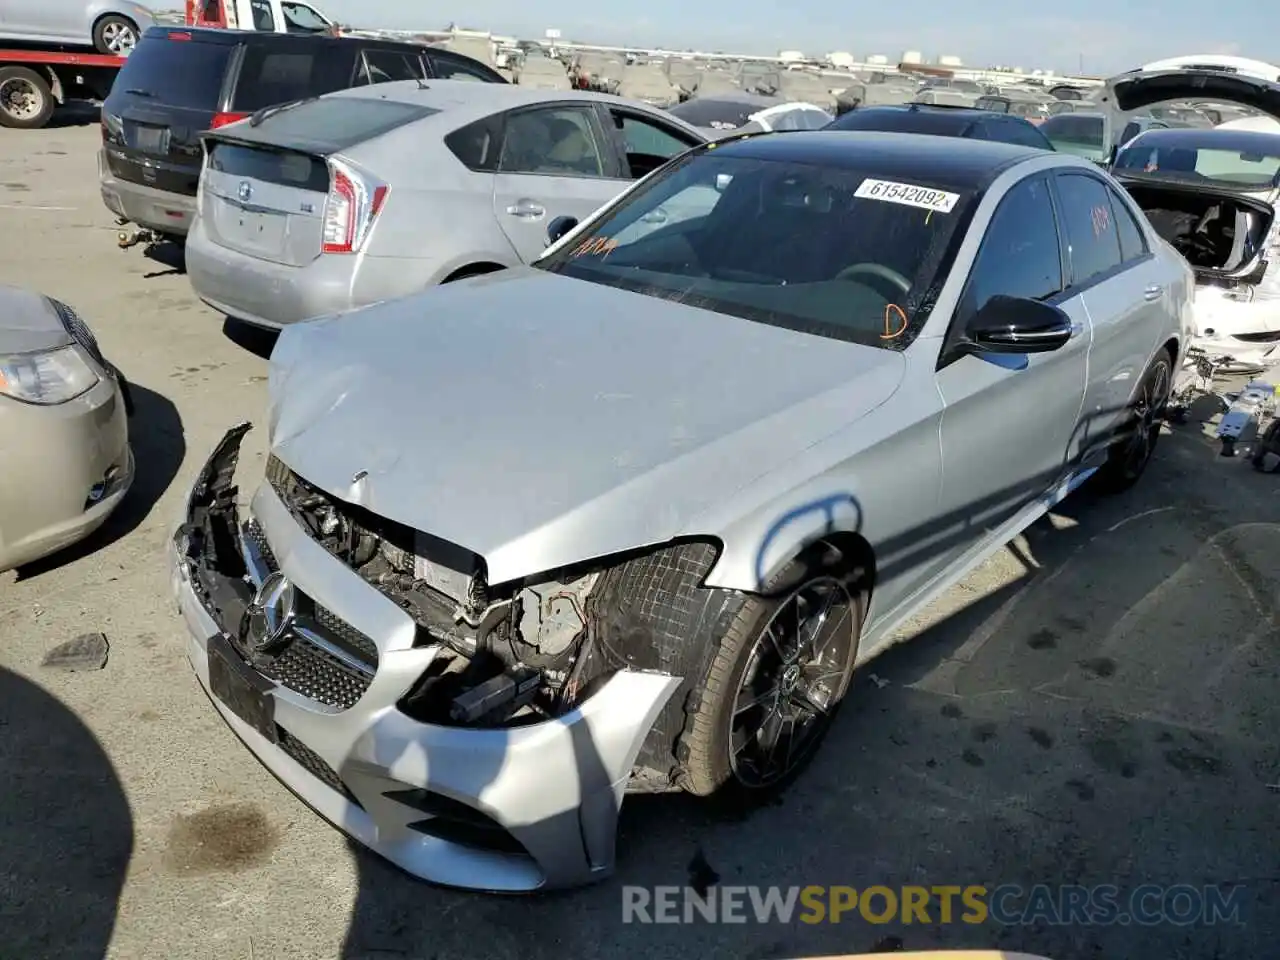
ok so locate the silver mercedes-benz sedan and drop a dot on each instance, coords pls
(629, 518)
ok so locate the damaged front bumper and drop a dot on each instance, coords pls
(307, 663)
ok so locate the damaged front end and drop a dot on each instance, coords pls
(530, 651)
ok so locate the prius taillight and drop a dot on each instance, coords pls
(354, 202)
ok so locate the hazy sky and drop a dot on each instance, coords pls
(1108, 35)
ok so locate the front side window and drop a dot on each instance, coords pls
(837, 252)
(1019, 256)
(1092, 238)
(551, 140)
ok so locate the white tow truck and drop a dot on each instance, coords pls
(268, 16)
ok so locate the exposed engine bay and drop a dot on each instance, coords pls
(1213, 232)
(526, 652)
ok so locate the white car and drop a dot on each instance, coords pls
(1212, 193)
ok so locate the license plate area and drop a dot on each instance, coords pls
(241, 689)
(154, 140)
(252, 231)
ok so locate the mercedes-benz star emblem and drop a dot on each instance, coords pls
(245, 191)
(269, 617)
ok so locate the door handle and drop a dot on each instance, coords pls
(527, 210)
(1153, 292)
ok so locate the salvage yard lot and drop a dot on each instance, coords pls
(1099, 706)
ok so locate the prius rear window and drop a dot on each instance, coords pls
(332, 124)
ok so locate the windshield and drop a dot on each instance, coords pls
(1257, 168)
(833, 251)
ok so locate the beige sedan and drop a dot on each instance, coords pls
(64, 433)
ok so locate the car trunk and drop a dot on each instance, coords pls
(163, 98)
(266, 202)
(1222, 235)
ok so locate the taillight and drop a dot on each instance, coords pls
(222, 119)
(353, 203)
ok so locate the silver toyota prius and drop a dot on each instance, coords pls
(629, 518)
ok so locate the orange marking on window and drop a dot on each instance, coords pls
(889, 309)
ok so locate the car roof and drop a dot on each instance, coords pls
(961, 162)
(224, 36)
(461, 97)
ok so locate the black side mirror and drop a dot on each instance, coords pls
(1017, 325)
(558, 227)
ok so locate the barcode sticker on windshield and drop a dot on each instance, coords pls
(908, 195)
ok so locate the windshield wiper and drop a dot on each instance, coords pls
(140, 93)
(267, 112)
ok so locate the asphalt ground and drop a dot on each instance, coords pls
(1097, 707)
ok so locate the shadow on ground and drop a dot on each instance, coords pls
(171, 256)
(1089, 723)
(66, 833)
(78, 113)
(159, 445)
(257, 340)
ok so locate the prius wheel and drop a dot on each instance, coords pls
(776, 680)
(1132, 452)
(26, 102)
(115, 35)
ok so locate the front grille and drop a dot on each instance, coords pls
(304, 666)
(317, 674)
(310, 761)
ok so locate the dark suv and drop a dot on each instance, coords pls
(179, 82)
(944, 121)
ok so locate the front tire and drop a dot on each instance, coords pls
(1129, 456)
(777, 678)
(26, 101)
(115, 35)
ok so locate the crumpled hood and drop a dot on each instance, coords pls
(28, 322)
(540, 421)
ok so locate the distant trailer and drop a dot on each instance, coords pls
(33, 82)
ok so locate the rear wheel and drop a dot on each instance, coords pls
(115, 35)
(780, 672)
(26, 102)
(1129, 456)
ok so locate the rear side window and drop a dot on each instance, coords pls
(1090, 227)
(271, 166)
(1133, 244)
(477, 144)
(272, 76)
(176, 73)
(447, 68)
(388, 66)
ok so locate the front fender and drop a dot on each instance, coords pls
(757, 547)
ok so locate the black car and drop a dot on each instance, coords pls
(940, 121)
(179, 82)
